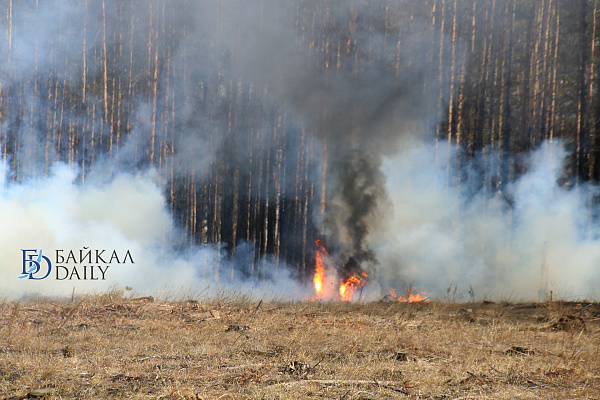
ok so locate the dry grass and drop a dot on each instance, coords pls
(106, 347)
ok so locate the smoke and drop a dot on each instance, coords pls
(57, 107)
(126, 214)
(202, 85)
(450, 240)
(361, 110)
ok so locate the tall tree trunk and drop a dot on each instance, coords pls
(553, 108)
(594, 152)
(583, 131)
(507, 126)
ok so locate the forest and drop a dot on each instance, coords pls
(262, 117)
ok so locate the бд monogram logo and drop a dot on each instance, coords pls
(34, 263)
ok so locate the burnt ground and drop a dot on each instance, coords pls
(110, 347)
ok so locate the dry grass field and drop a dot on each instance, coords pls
(111, 347)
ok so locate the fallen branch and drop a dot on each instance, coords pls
(243, 366)
(257, 307)
(341, 382)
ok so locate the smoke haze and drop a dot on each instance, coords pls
(129, 213)
(391, 205)
(440, 236)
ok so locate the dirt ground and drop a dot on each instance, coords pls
(110, 347)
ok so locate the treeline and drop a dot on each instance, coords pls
(531, 75)
(142, 83)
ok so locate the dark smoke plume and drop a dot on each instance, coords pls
(117, 87)
(360, 109)
(177, 115)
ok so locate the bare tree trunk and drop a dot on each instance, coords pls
(594, 94)
(506, 131)
(553, 108)
(104, 72)
(582, 134)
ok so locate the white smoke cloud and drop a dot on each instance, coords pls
(437, 237)
(434, 237)
(126, 213)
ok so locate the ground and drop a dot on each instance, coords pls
(111, 347)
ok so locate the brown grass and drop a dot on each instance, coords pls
(109, 347)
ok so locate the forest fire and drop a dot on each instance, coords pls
(350, 284)
(412, 296)
(347, 285)
(319, 278)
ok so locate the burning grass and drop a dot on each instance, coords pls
(112, 347)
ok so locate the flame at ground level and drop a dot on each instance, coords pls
(349, 286)
(412, 296)
(324, 290)
(319, 278)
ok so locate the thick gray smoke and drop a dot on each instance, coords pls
(361, 109)
(390, 208)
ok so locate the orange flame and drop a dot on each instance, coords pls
(349, 286)
(319, 278)
(411, 297)
(322, 282)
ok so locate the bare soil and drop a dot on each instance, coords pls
(110, 347)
